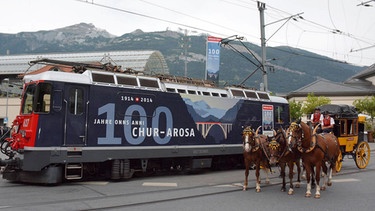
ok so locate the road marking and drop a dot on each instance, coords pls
(92, 183)
(346, 180)
(223, 186)
(229, 185)
(160, 184)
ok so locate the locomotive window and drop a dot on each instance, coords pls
(127, 81)
(28, 98)
(181, 91)
(43, 100)
(76, 101)
(251, 94)
(215, 94)
(206, 93)
(103, 78)
(263, 96)
(192, 92)
(148, 83)
(237, 93)
(171, 90)
(279, 111)
(37, 98)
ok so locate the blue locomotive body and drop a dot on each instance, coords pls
(72, 126)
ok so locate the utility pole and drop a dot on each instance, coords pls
(261, 8)
(185, 45)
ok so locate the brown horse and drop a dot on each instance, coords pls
(254, 153)
(288, 156)
(316, 150)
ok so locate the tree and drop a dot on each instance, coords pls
(295, 109)
(312, 102)
(366, 106)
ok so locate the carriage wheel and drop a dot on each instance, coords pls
(339, 162)
(362, 155)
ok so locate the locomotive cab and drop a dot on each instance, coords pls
(52, 119)
(36, 101)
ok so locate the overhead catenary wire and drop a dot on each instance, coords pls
(273, 12)
(148, 16)
(241, 3)
(190, 16)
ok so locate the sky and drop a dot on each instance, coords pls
(340, 29)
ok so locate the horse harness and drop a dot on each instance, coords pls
(254, 142)
(313, 144)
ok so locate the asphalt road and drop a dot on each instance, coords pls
(353, 189)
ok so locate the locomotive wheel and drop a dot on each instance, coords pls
(362, 155)
(339, 162)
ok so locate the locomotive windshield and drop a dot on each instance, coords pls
(36, 98)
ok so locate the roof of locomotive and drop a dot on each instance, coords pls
(59, 76)
(94, 76)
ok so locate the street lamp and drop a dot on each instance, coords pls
(6, 83)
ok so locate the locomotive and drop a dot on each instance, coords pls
(101, 121)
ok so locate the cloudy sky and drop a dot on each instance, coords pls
(341, 29)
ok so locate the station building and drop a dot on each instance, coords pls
(356, 87)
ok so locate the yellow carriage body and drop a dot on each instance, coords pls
(348, 142)
(349, 130)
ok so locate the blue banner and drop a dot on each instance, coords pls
(213, 59)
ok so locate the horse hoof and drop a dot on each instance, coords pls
(268, 182)
(283, 189)
(329, 184)
(317, 196)
(308, 195)
(258, 190)
(323, 188)
(290, 192)
(297, 185)
(244, 189)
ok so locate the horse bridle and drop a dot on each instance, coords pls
(294, 127)
(251, 142)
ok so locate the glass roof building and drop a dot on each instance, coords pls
(147, 61)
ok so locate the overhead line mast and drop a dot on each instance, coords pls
(261, 8)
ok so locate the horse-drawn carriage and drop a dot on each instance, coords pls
(320, 152)
(349, 130)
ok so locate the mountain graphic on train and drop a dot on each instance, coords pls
(100, 121)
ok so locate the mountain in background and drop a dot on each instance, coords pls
(288, 68)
